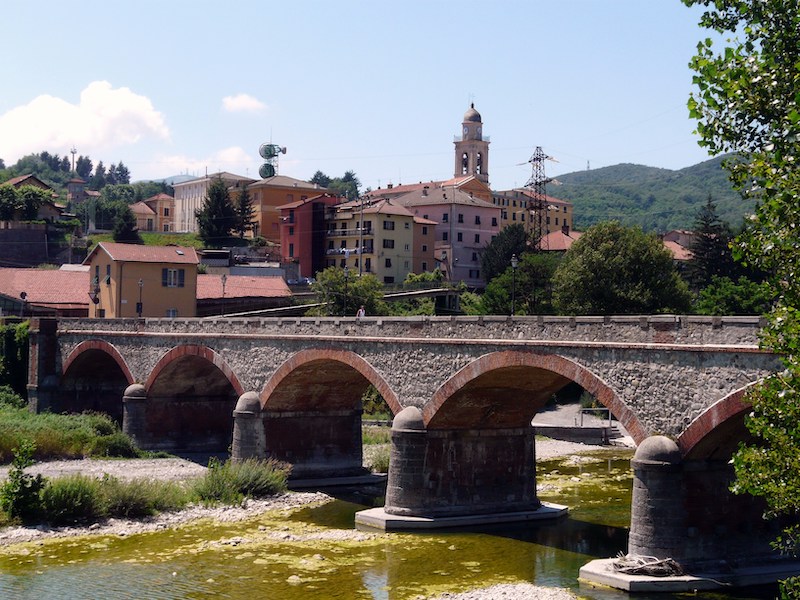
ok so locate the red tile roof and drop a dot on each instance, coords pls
(241, 286)
(678, 251)
(140, 208)
(558, 241)
(46, 287)
(136, 253)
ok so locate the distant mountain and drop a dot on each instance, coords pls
(655, 199)
(173, 180)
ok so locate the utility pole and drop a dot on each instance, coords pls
(537, 206)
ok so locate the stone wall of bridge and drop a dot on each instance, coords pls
(658, 374)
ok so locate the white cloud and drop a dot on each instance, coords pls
(103, 119)
(243, 103)
(234, 159)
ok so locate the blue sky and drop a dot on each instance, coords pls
(377, 87)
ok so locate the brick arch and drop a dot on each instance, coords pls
(346, 357)
(725, 410)
(548, 362)
(103, 346)
(195, 350)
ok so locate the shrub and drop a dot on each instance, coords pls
(19, 495)
(72, 499)
(8, 397)
(116, 444)
(231, 482)
(379, 461)
(141, 497)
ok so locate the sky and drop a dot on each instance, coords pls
(377, 87)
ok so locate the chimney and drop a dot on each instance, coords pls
(390, 186)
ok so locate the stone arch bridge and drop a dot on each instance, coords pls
(464, 390)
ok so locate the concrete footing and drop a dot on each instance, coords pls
(378, 518)
(602, 572)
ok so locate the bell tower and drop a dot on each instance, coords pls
(472, 150)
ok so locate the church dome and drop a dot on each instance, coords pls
(472, 115)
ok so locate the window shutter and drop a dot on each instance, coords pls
(181, 277)
(164, 277)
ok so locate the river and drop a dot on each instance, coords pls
(312, 553)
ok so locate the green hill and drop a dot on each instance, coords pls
(655, 199)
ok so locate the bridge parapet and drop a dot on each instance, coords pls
(658, 329)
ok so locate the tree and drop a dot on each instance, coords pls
(125, 229)
(320, 179)
(613, 269)
(83, 167)
(244, 211)
(216, 218)
(31, 199)
(748, 102)
(496, 256)
(98, 180)
(711, 252)
(9, 202)
(724, 296)
(118, 193)
(529, 287)
(343, 295)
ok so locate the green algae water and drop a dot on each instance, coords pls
(314, 552)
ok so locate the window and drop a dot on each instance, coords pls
(101, 313)
(548, 220)
(477, 220)
(108, 274)
(166, 211)
(343, 244)
(424, 216)
(474, 274)
(172, 313)
(460, 236)
(291, 230)
(407, 225)
(368, 264)
(388, 243)
(388, 225)
(424, 247)
(166, 227)
(460, 218)
(388, 263)
(388, 279)
(96, 274)
(474, 257)
(149, 224)
(173, 277)
(344, 226)
(477, 238)
(556, 220)
(513, 216)
(424, 230)
(330, 244)
(405, 265)
(445, 217)
(444, 236)
(407, 247)
(291, 250)
(343, 263)
(494, 221)
(424, 266)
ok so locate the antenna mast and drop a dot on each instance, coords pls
(537, 206)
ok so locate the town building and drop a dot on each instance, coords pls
(269, 195)
(129, 280)
(520, 205)
(377, 237)
(43, 292)
(303, 231)
(190, 196)
(155, 213)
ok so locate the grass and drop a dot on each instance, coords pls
(373, 434)
(62, 436)
(231, 482)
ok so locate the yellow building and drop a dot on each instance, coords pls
(129, 280)
(518, 206)
(374, 237)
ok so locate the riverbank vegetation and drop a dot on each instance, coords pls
(79, 499)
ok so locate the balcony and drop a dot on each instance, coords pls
(350, 232)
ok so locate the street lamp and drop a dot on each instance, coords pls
(224, 280)
(139, 304)
(514, 264)
(346, 277)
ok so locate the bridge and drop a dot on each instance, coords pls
(463, 390)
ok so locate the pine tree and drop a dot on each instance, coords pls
(125, 229)
(244, 211)
(711, 253)
(217, 217)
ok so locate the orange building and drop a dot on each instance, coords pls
(269, 194)
(155, 214)
(128, 280)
